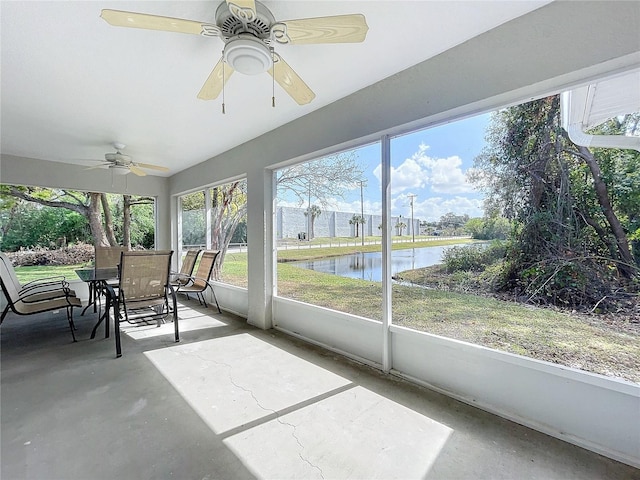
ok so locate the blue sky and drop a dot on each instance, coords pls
(430, 164)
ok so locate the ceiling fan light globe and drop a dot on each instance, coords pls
(119, 170)
(248, 56)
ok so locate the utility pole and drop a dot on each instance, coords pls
(413, 230)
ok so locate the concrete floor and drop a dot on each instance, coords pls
(230, 402)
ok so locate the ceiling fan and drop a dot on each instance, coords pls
(249, 31)
(121, 164)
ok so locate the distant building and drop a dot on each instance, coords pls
(291, 221)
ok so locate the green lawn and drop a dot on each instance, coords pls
(545, 334)
(28, 274)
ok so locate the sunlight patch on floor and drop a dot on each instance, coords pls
(353, 434)
(238, 379)
(286, 417)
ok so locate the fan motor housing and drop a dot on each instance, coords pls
(232, 26)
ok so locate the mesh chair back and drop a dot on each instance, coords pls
(144, 276)
(10, 283)
(188, 264)
(8, 274)
(108, 257)
(189, 261)
(205, 267)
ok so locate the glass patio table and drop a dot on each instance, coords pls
(97, 279)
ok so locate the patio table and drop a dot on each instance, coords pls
(97, 279)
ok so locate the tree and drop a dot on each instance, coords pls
(312, 213)
(320, 179)
(400, 226)
(357, 220)
(96, 208)
(87, 204)
(570, 223)
(228, 209)
(488, 228)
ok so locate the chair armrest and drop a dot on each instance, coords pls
(112, 294)
(180, 279)
(50, 283)
(40, 296)
(208, 282)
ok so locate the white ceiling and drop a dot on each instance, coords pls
(72, 84)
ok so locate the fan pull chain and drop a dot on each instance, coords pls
(223, 82)
(273, 81)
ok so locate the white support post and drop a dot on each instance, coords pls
(177, 262)
(207, 218)
(386, 252)
(260, 247)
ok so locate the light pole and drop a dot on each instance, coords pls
(413, 229)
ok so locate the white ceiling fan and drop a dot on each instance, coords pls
(121, 164)
(249, 31)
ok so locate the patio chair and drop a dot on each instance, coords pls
(186, 270)
(105, 258)
(199, 282)
(36, 290)
(143, 291)
(29, 300)
(108, 257)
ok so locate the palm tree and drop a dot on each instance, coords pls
(400, 226)
(357, 220)
(315, 212)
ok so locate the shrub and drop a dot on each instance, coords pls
(72, 255)
(475, 258)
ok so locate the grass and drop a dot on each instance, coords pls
(544, 334)
(533, 332)
(28, 274)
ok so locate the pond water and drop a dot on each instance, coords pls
(368, 266)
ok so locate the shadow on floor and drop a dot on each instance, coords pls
(232, 401)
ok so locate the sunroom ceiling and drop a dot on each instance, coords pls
(72, 85)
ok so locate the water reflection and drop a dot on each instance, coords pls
(368, 266)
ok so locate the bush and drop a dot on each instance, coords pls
(73, 255)
(474, 258)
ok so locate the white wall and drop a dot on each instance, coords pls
(589, 410)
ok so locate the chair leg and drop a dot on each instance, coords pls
(215, 298)
(175, 315)
(203, 300)
(70, 320)
(4, 313)
(116, 327)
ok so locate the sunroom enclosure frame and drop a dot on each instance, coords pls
(532, 56)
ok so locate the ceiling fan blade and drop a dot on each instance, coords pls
(137, 170)
(152, 167)
(289, 80)
(217, 78)
(337, 29)
(118, 18)
(243, 10)
(101, 165)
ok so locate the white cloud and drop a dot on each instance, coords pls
(435, 207)
(442, 175)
